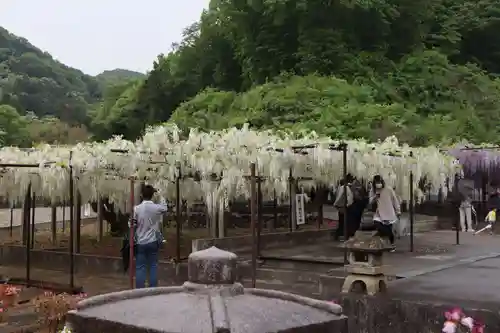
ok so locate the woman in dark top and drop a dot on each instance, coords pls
(357, 201)
(360, 202)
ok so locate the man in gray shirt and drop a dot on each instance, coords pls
(148, 218)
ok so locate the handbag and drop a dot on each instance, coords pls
(160, 239)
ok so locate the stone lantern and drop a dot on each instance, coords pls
(210, 302)
(365, 266)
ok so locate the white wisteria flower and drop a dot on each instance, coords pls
(220, 163)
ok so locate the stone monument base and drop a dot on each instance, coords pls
(366, 284)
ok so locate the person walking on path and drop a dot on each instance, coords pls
(388, 208)
(360, 202)
(344, 190)
(465, 189)
(465, 210)
(148, 218)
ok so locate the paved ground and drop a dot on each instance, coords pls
(432, 251)
(476, 282)
(437, 269)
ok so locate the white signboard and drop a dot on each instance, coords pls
(299, 209)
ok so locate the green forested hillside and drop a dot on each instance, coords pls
(117, 76)
(32, 80)
(424, 70)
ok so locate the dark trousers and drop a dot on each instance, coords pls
(351, 228)
(357, 209)
(354, 215)
(340, 226)
(385, 231)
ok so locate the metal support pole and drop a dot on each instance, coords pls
(33, 208)
(259, 214)
(78, 221)
(27, 235)
(457, 223)
(11, 219)
(253, 211)
(178, 214)
(319, 202)
(131, 266)
(344, 175)
(275, 212)
(64, 216)
(100, 219)
(53, 222)
(71, 224)
(290, 194)
(412, 213)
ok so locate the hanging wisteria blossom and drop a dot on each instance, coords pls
(220, 161)
(478, 162)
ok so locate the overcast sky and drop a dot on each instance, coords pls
(96, 35)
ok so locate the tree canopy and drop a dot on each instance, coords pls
(118, 76)
(425, 71)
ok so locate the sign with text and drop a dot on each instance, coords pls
(299, 209)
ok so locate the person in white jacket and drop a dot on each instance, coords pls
(465, 188)
(388, 208)
(465, 211)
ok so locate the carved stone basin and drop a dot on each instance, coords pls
(211, 301)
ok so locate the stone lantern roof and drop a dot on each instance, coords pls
(210, 302)
(367, 241)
